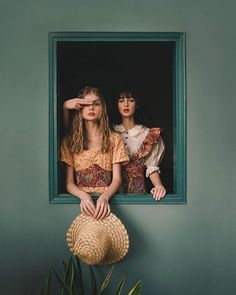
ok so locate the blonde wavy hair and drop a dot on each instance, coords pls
(78, 136)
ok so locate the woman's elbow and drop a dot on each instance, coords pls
(118, 181)
(69, 186)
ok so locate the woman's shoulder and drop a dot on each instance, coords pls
(155, 130)
(153, 134)
(114, 136)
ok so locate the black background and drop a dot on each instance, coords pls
(146, 67)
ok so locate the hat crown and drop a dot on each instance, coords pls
(93, 247)
(98, 241)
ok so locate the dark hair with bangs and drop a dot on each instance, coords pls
(128, 93)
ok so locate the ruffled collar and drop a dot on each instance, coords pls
(147, 145)
(133, 131)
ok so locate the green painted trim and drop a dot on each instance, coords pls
(179, 96)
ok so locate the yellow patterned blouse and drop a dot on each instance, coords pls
(93, 169)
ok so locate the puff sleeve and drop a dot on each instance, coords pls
(119, 154)
(153, 161)
(66, 155)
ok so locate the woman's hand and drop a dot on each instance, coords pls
(76, 103)
(87, 205)
(102, 208)
(158, 192)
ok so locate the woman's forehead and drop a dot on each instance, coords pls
(91, 96)
(127, 97)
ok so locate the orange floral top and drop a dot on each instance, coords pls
(93, 169)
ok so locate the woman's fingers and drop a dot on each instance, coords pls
(84, 101)
(91, 208)
(106, 212)
(99, 211)
(158, 192)
(87, 208)
(76, 103)
(102, 210)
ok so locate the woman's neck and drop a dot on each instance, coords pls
(92, 128)
(94, 135)
(128, 123)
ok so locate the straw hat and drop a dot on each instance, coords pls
(98, 241)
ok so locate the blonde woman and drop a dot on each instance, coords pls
(93, 154)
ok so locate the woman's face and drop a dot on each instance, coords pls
(92, 112)
(127, 107)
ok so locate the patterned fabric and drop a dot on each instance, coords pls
(133, 180)
(93, 177)
(147, 145)
(93, 169)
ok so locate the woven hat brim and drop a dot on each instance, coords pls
(114, 229)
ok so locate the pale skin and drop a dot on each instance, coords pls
(127, 108)
(91, 112)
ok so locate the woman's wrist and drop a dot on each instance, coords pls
(104, 197)
(158, 184)
(65, 106)
(84, 196)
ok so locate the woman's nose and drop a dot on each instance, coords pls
(126, 102)
(91, 106)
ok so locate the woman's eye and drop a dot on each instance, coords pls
(131, 100)
(121, 100)
(97, 103)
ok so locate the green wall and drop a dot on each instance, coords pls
(175, 249)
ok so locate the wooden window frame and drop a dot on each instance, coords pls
(179, 113)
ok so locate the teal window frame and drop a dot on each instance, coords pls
(179, 111)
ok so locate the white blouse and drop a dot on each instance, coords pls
(134, 137)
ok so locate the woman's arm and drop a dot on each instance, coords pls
(103, 207)
(73, 104)
(158, 191)
(86, 202)
(153, 171)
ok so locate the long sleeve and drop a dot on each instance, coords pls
(154, 159)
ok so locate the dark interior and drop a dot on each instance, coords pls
(146, 67)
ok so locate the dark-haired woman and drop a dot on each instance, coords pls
(145, 148)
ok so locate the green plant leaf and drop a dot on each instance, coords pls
(93, 281)
(106, 281)
(68, 273)
(120, 286)
(74, 284)
(80, 288)
(63, 284)
(136, 290)
(72, 276)
(48, 283)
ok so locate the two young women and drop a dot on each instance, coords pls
(94, 153)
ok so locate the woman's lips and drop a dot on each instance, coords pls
(91, 114)
(125, 110)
